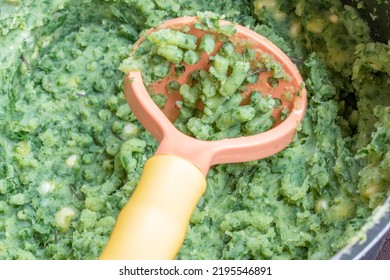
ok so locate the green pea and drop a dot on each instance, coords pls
(207, 43)
(209, 88)
(172, 53)
(220, 67)
(199, 129)
(260, 103)
(157, 59)
(233, 132)
(259, 123)
(244, 113)
(186, 113)
(227, 49)
(191, 57)
(225, 121)
(144, 48)
(214, 102)
(171, 37)
(162, 70)
(236, 78)
(190, 95)
(252, 78)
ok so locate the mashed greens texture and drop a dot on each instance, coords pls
(71, 151)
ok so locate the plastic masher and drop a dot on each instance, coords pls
(153, 223)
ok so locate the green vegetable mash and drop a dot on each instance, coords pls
(71, 151)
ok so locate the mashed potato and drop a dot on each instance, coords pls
(71, 151)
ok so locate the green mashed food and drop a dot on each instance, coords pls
(71, 151)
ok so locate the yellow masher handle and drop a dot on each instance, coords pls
(153, 223)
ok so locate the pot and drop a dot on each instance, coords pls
(368, 241)
(377, 16)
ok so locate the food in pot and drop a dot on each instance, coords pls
(71, 151)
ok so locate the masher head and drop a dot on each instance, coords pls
(289, 91)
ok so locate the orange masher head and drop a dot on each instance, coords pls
(158, 122)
